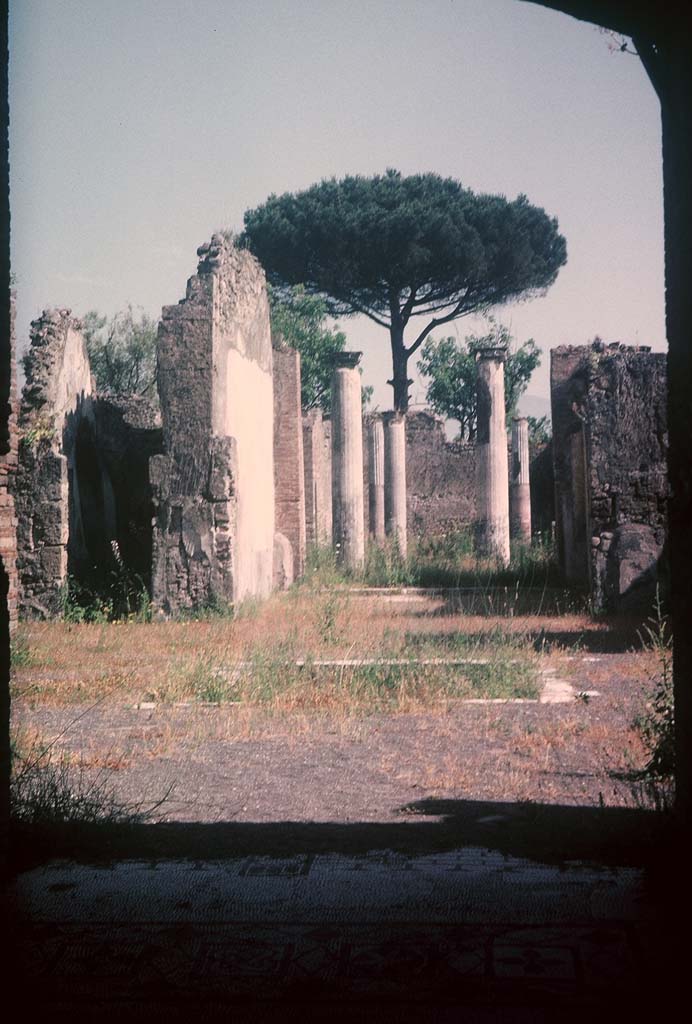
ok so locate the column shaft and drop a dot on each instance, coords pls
(520, 489)
(376, 478)
(492, 471)
(395, 478)
(347, 462)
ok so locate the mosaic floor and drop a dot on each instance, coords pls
(468, 928)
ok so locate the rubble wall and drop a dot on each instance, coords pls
(213, 487)
(627, 475)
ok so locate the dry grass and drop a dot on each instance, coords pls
(199, 660)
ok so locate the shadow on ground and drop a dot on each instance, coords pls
(546, 833)
(617, 640)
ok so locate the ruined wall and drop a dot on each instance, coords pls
(289, 468)
(609, 405)
(59, 489)
(440, 478)
(213, 488)
(8, 469)
(318, 480)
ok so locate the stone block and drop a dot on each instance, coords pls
(53, 563)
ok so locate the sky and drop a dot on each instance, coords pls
(139, 128)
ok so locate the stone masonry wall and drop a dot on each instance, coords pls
(610, 462)
(627, 476)
(289, 469)
(57, 496)
(8, 469)
(213, 488)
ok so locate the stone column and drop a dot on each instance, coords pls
(347, 461)
(376, 481)
(395, 477)
(520, 491)
(492, 534)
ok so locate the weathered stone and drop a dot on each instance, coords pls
(633, 565)
(8, 469)
(440, 478)
(59, 487)
(318, 479)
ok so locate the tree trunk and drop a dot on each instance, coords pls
(400, 381)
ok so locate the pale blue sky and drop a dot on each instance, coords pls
(139, 128)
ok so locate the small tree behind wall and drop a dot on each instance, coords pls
(450, 368)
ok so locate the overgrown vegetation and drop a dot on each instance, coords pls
(657, 725)
(110, 596)
(274, 677)
(531, 581)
